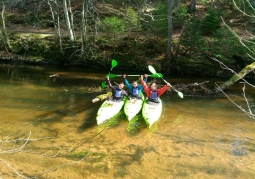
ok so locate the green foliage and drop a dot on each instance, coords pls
(211, 22)
(180, 13)
(159, 23)
(79, 155)
(16, 19)
(113, 25)
(132, 19)
(204, 2)
(226, 45)
(192, 40)
(246, 6)
(29, 45)
(3, 41)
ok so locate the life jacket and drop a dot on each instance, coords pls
(117, 93)
(135, 91)
(154, 95)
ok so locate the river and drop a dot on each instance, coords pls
(48, 130)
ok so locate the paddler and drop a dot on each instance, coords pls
(152, 92)
(134, 89)
(117, 91)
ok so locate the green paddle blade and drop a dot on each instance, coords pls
(103, 84)
(111, 75)
(157, 75)
(114, 63)
(151, 69)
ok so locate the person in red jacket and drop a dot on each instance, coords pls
(153, 93)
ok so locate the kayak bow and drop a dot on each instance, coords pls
(108, 109)
(133, 107)
(151, 112)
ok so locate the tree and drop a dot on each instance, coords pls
(3, 35)
(170, 27)
(193, 5)
(249, 44)
(54, 8)
(113, 25)
(69, 19)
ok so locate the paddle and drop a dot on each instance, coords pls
(103, 84)
(114, 63)
(156, 75)
(152, 70)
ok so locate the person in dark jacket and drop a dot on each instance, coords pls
(117, 91)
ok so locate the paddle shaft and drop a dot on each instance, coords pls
(170, 85)
(152, 70)
(132, 75)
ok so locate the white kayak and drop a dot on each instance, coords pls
(133, 107)
(151, 112)
(108, 109)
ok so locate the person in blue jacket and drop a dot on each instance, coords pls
(135, 90)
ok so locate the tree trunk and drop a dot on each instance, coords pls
(170, 27)
(84, 26)
(56, 22)
(193, 5)
(3, 33)
(252, 3)
(71, 18)
(238, 76)
(68, 23)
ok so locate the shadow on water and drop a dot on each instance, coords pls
(90, 118)
(114, 122)
(136, 125)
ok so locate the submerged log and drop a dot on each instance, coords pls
(192, 89)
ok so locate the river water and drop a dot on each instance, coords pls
(48, 130)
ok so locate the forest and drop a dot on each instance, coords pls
(184, 37)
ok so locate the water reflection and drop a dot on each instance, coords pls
(196, 137)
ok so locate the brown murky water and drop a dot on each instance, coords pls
(49, 131)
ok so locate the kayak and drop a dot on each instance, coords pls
(108, 109)
(151, 112)
(133, 107)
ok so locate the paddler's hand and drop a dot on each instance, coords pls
(168, 84)
(141, 77)
(124, 75)
(145, 75)
(107, 77)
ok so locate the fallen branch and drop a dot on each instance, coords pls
(16, 150)
(15, 171)
(250, 114)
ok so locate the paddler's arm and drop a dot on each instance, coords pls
(143, 83)
(163, 89)
(124, 93)
(145, 87)
(145, 80)
(127, 83)
(109, 83)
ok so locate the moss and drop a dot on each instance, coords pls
(80, 154)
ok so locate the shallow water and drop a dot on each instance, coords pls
(49, 131)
